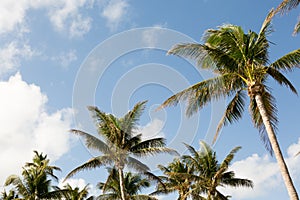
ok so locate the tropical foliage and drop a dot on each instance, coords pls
(36, 179)
(287, 5)
(200, 175)
(133, 183)
(122, 143)
(241, 62)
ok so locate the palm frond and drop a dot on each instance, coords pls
(287, 5)
(229, 179)
(203, 92)
(233, 112)
(91, 164)
(130, 120)
(266, 26)
(137, 165)
(107, 125)
(226, 162)
(280, 78)
(151, 147)
(297, 27)
(288, 62)
(192, 51)
(92, 142)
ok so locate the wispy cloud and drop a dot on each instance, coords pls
(265, 174)
(150, 36)
(26, 126)
(80, 26)
(63, 14)
(11, 55)
(115, 12)
(65, 58)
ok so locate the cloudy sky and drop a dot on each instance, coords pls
(59, 56)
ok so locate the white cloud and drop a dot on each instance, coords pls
(12, 14)
(80, 26)
(152, 130)
(265, 174)
(11, 54)
(66, 13)
(115, 12)
(26, 126)
(150, 37)
(66, 58)
(63, 14)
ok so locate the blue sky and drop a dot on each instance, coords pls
(59, 56)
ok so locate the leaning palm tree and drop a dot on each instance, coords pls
(241, 63)
(35, 182)
(210, 174)
(173, 179)
(121, 142)
(133, 183)
(287, 5)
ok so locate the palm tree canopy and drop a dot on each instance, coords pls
(241, 63)
(36, 179)
(122, 142)
(210, 174)
(134, 183)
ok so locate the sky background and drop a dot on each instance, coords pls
(59, 56)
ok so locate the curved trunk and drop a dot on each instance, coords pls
(122, 187)
(276, 149)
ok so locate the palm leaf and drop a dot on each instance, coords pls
(297, 27)
(129, 121)
(137, 165)
(287, 5)
(92, 142)
(91, 164)
(280, 78)
(226, 162)
(288, 62)
(233, 112)
(228, 179)
(202, 93)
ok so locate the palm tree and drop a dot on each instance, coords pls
(210, 174)
(241, 62)
(287, 5)
(173, 179)
(133, 183)
(200, 174)
(35, 182)
(75, 193)
(121, 143)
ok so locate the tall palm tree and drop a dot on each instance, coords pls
(287, 5)
(173, 180)
(133, 183)
(36, 179)
(241, 62)
(210, 174)
(121, 142)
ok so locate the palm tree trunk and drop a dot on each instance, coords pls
(276, 149)
(121, 179)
